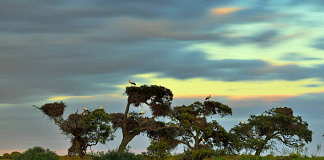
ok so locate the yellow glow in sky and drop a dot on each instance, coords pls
(62, 98)
(224, 11)
(198, 87)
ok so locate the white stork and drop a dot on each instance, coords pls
(132, 83)
(85, 108)
(101, 107)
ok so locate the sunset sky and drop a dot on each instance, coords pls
(249, 54)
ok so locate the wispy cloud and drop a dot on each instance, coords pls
(225, 10)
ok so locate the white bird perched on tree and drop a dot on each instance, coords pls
(101, 107)
(85, 108)
(131, 82)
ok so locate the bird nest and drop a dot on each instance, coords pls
(148, 94)
(284, 111)
(53, 109)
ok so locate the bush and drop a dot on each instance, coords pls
(113, 155)
(75, 158)
(38, 153)
(158, 150)
(198, 154)
(6, 156)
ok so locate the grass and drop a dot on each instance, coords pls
(247, 157)
(241, 157)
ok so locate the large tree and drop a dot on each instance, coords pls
(86, 129)
(195, 126)
(158, 99)
(277, 124)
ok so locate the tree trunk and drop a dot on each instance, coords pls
(126, 138)
(197, 143)
(260, 149)
(126, 110)
(79, 147)
(258, 152)
(123, 144)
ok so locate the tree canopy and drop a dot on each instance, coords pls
(277, 124)
(157, 98)
(87, 128)
(194, 126)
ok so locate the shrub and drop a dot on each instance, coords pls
(6, 156)
(198, 154)
(158, 150)
(75, 158)
(15, 155)
(113, 155)
(38, 153)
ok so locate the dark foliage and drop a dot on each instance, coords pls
(157, 97)
(116, 156)
(37, 153)
(86, 129)
(276, 124)
(159, 100)
(53, 110)
(190, 126)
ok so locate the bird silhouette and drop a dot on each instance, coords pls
(208, 97)
(132, 83)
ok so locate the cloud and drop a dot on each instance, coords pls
(42, 74)
(318, 44)
(267, 98)
(72, 18)
(297, 57)
(225, 11)
(313, 85)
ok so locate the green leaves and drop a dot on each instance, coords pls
(276, 124)
(198, 131)
(87, 128)
(150, 95)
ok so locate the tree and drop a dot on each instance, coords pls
(87, 128)
(159, 100)
(38, 153)
(158, 150)
(193, 126)
(277, 124)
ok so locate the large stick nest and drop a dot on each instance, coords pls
(53, 110)
(75, 125)
(284, 111)
(149, 94)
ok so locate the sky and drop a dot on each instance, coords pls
(252, 55)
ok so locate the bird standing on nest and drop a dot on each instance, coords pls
(101, 107)
(208, 97)
(85, 110)
(132, 83)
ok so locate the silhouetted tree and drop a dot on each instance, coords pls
(194, 126)
(87, 128)
(276, 124)
(159, 100)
